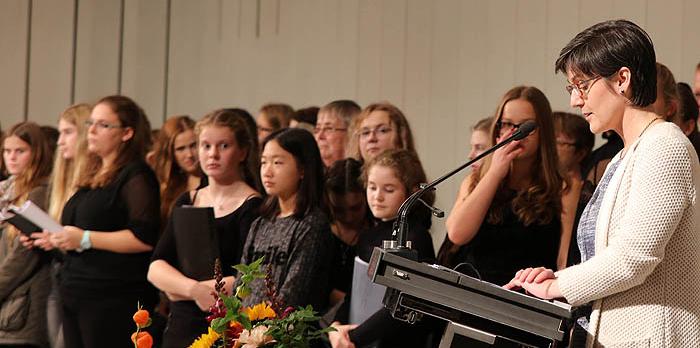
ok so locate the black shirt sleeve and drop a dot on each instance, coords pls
(141, 196)
(166, 249)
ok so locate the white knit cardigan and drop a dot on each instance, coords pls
(644, 279)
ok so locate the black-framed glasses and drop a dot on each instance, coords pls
(101, 124)
(582, 87)
(506, 126)
(380, 131)
(328, 129)
(566, 143)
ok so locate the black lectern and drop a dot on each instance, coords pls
(475, 309)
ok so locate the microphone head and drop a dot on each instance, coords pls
(524, 130)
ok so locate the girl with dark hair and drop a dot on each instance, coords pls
(350, 215)
(638, 235)
(24, 274)
(508, 215)
(292, 233)
(225, 144)
(111, 224)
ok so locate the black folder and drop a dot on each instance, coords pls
(23, 224)
(196, 241)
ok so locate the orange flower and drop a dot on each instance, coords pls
(141, 318)
(259, 312)
(142, 339)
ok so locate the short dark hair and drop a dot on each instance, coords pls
(604, 48)
(688, 109)
(302, 146)
(575, 127)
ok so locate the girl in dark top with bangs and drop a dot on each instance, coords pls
(110, 227)
(226, 153)
(292, 232)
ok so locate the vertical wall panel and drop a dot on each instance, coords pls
(500, 49)
(51, 60)
(98, 49)
(665, 28)
(369, 48)
(418, 65)
(14, 28)
(691, 42)
(444, 117)
(562, 26)
(393, 51)
(532, 65)
(144, 56)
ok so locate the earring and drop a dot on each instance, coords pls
(622, 91)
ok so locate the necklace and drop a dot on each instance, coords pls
(624, 152)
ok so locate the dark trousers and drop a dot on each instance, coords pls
(103, 322)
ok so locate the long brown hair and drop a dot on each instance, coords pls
(131, 116)
(173, 180)
(39, 167)
(66, 172)
(534, 204)
(234, 121)
(404, 138)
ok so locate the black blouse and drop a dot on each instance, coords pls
(131, 201)
(232, 230)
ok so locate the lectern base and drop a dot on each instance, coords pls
(460, 336)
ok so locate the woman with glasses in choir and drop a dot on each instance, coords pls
(380, 127)
(508, 217)
(111, 224)
(638, 235)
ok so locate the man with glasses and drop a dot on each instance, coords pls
(331, 132)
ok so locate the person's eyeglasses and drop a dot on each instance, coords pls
(319, 130)
(565, 143)
(382, 131)
(506, 126)
(582, 87)
(102, 124)
(265, 129)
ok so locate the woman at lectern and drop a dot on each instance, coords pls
(640, 269)
(507, 213)
(227, 155)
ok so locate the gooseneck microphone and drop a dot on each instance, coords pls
(398, 245)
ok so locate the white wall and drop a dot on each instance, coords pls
(444, 62)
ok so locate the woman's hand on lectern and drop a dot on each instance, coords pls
(540, 282)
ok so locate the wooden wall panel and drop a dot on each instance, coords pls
(561, 28)
(98, 54)
(369, 61)
(144, 61)
(14, 31)
(51, 60)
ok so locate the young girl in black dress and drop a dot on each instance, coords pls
(225, 151)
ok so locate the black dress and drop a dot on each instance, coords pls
(187, 321)
(381, 330)
(101, 289)
(499, 250)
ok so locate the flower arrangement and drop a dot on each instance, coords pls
(267, 324)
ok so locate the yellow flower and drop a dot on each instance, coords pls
(259, 312)
(206, 340)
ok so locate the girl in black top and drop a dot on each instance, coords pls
(508, 211)
(389, 178)
(225, 151)
(110, 227)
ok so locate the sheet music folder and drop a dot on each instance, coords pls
(196, 241)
